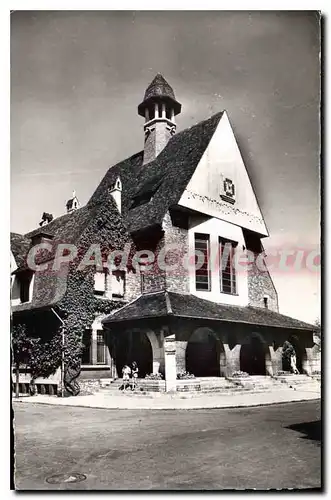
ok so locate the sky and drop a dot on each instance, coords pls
(77, 78)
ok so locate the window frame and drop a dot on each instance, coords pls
(230, 275)
(103, 344)
(200, 238)
(26, 278)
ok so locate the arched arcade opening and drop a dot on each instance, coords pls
(133, 346)
(205, 356)
(253, 355)
(300, 354)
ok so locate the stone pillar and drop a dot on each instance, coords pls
(110, 356)
(276, 359)
(170, 363)
(232, 358)
(157, 351)
(269, 361)
(181, 356)
(156, 110)
(307, 361)
(163, 110)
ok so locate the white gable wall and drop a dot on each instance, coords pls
(222, 159)
(216, 228)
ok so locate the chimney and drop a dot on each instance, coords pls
(159, 109)
(116, 192)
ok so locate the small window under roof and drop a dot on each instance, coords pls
(146, 193)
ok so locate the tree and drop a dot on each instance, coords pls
(317, 333)
(21, 349)
(288, 351)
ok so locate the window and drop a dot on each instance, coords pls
(202, 275)
(227, 267)
(101, 348)
(265, 301)
(109, 285)
(117, 284)
(24, 283)
(94, 350)
(87, 349)
(100, 283)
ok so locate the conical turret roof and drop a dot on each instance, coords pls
(159, 89)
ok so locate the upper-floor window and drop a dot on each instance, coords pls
(109, 285)
(100, 283)
(202, 267)
(22, 288)
(228, 282)
(118, 284)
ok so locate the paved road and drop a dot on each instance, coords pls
(275, 446)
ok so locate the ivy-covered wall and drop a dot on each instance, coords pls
(78, 305)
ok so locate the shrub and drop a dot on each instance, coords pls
(239, 374)
(185, 375)
(284, 372)
(154, 376)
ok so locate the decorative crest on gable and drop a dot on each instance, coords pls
(228, 191)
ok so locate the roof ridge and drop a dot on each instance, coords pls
(220, 113)
(56, 219)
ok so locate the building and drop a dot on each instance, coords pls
(184, 193)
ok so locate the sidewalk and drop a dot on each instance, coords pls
(161, 401)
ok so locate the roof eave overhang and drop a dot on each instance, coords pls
(223, 320)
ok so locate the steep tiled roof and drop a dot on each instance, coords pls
(98, 224)
(67, 227)
(19, 246)
(189, 306)
(166, 177)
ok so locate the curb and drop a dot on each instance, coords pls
(158, 407)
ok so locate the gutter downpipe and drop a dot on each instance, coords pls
(62, 354)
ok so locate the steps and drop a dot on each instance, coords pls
(217, 385)
(259, 383)
(300, 382)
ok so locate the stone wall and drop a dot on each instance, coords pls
(132, 285)
(260, 285)
(176, 238)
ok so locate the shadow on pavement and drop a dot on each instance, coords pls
(311, 430)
